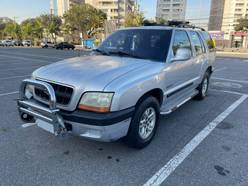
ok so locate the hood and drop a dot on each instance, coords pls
(93, 72)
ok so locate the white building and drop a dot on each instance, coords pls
(115, 9)
(171, 9)
(64, 5)
(233, 10)
(224, 16)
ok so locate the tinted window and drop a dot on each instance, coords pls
(196, 42)
(181, 40)
(208, 40)
(139, 43)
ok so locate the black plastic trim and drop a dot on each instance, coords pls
(180, 89)
(98, 119)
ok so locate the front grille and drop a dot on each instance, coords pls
(63, 93)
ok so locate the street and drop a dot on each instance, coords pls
(201, 143)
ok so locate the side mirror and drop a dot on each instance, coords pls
(182, 54)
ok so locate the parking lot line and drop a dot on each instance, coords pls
(24, 58)
(32, 55)
(232, 80)
(21, 68)
(9, 93)
(220, 69)
(14, 77)
(28, 125)
(230, 92)
(160, 176)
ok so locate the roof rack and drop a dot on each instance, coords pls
(184, 24)
(174, 23)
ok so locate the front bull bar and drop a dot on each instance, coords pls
(40, 111)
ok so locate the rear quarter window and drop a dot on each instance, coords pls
(209, 41)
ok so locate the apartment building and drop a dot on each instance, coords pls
(116, 10)
(171, 9)
(223, 17)
(64, 5)
(233, 10)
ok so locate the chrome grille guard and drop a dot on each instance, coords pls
(32, 108)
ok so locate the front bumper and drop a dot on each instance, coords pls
(101, 127)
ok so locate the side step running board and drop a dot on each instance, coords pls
(178, 105)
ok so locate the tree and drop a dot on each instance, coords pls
(13, 30)
(161, 21)
(242, 25)
(3, 22)
(51, 24)
(134, 19)
(2, 27)
(32, 28)
(84, 19)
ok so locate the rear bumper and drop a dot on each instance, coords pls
(101, 127)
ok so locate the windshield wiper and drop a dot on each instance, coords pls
(103, 52)
(122, 53)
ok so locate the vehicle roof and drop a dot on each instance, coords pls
(161, 28)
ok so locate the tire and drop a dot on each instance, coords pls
(135, 137)
(203, 87)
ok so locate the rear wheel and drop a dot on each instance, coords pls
(144, 123)
(203, 87)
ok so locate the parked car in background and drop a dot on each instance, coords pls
(64, 45)
(17, 42)
(120, 91)
(8, 43)
(1, 42)
(27, 43)
(47, 45)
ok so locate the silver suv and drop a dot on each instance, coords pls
(122, 88)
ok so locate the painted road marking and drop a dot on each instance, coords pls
(227, 85)
(32, 55)
(160, 176)
(220, 69)
(20, 68)
(24, 58)
(28, 125)
(14, 77)
(9, 93)
(232, 80)
(229, 92)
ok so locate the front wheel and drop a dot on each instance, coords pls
(203, 87)
(144, 123)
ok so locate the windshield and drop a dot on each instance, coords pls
(138, 43)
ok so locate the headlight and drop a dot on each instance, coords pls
(29, 91)
(96, 101)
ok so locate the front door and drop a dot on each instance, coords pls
(179, 75)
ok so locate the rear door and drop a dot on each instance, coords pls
(210, 44)
(199, 50)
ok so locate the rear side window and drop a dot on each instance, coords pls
(196, 42)
(209, 41)
(181, 40)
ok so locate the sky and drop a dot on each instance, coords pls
(22, 9)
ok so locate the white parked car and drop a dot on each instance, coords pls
(8, 43)
(27, 43)
(47, 45)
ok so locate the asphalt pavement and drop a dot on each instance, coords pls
(201, 143)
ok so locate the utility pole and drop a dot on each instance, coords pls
(52, 7)
(119, 14)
